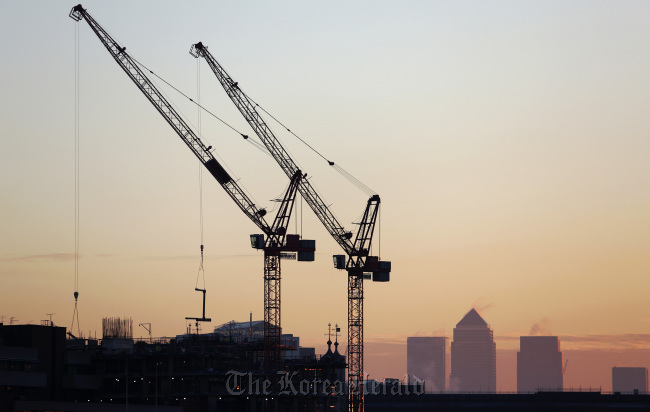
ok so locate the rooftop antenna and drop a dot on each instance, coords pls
(147, 327)
(50, 315)
(12, 319)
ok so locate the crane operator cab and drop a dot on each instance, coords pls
(303, 248)
(379, 270)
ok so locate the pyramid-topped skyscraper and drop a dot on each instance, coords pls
(473, 356)
(472, 319)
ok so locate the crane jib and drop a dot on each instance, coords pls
(218, 171)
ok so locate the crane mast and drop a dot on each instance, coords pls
(358, 261)
(277, 240)
(273, 248)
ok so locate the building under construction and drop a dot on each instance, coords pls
(219, 371)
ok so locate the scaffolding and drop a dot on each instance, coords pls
(117, 328)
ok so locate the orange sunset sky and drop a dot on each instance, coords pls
(508, 141)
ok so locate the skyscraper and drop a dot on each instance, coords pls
(473, 356)
(425, 361)
(539, 364)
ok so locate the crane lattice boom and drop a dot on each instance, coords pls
(202, 152)
(247, 108)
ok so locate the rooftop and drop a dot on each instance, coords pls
(472, 319)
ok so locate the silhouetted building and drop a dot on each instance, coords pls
(630, 380)
(208, 372)
(32, 361)
(539, 364)
(333, 363)
(425, 361)
(40, 370)
(473, 356)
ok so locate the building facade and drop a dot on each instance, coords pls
(426, 362)
(630, 380)
(473, 356)
(539, 364)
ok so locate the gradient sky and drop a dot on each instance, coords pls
(508, 141)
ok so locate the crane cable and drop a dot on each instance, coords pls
(75, 313)
(359, 184)
(201, 271)
(223, 163)
(251, 141)
(198, 104)
(356, 182)
(379, 237)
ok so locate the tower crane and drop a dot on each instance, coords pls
(358, 261)
(274, 239)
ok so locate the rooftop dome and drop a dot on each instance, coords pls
(329, 356)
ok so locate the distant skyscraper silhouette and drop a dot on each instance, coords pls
(630, 380)
(473, 356)
(425, 360)
(539, 364)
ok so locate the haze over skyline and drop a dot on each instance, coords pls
(508, 141)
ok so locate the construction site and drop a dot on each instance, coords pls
(252, 362)
(252, 365)
(220, 370)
